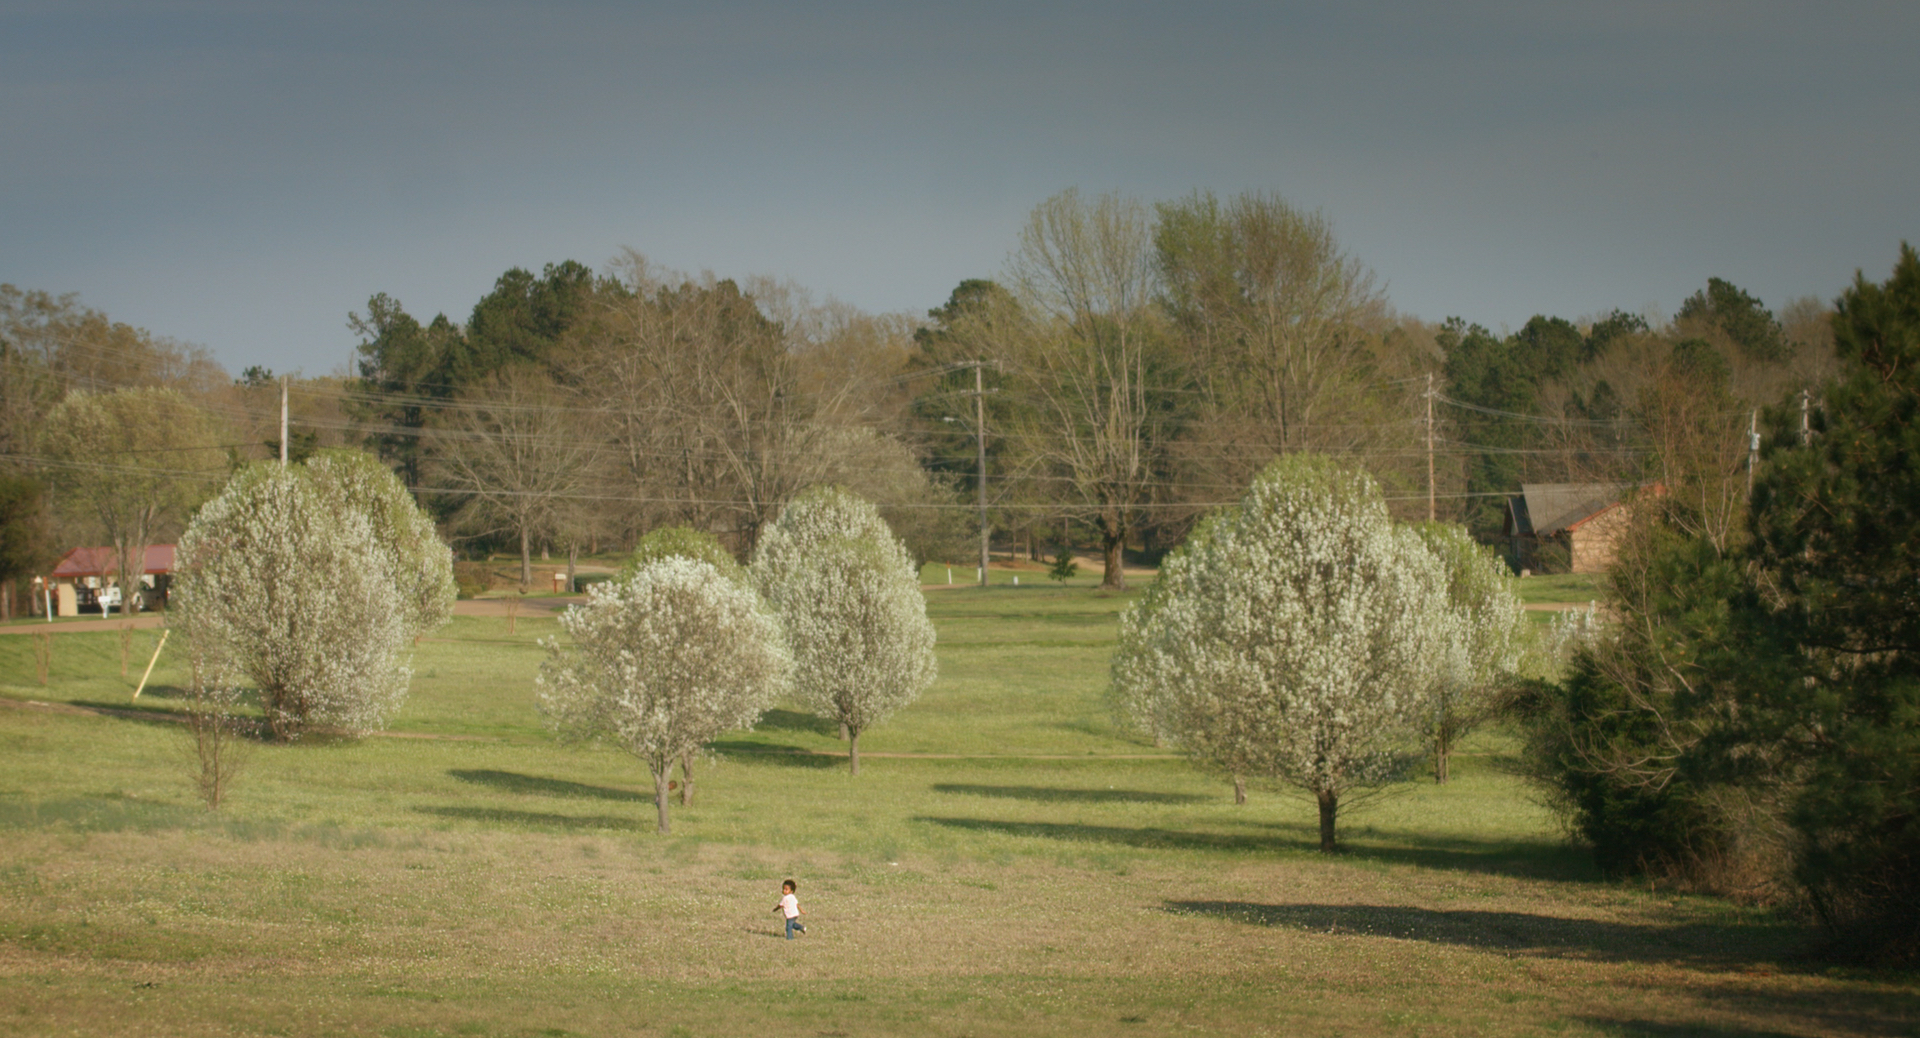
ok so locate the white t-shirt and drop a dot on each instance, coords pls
(791, 906)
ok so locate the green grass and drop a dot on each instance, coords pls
(1024, 867)
(1559, 587)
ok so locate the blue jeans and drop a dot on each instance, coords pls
(792, 925)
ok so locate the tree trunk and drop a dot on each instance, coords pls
(1239, 790)
(661, 780)
(526, 560)
(1329, 806)
(843, 731)
(573, 555)
(1112, 545)
(1442, 750)
(686, 779)
(853, 750)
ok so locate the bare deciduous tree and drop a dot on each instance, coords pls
(218, 739)
(132, 464)
(1092, 363)
(518, 455)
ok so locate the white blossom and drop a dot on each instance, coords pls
(421, 564)
(661, 662)
(1296, 635)
(1484, 637)
(1567, 633)
(281, 582)
(849, 595)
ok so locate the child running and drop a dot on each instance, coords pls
(789, 906)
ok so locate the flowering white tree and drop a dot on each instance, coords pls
(282, 584)
(1296, 635)
(849, 595)
(1485, 647)
(661, 662)
(420, 563)
(685, 542)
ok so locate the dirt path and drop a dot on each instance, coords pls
(83, 626)
(528, 606)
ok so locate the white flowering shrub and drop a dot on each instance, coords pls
(684, 542)
(279, 585)
(420, 562)
(1569, 632)
(661, 662)
(849, 596)
(818, 515)
(1482, 651)
(1296, 635)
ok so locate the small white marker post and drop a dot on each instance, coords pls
(164, 632)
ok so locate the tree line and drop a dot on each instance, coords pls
(1133, 365)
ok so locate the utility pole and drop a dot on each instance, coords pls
(1430, 494)
(979, 395)
(283, 421)
(980, 460)
(1753, 447)
(1806, 431)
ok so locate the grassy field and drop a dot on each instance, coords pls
(1559, 587)
(1008, 863)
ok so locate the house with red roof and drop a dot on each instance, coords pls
(84, 576)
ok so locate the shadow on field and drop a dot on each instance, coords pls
(514, 782)
(1703, 942)
(775, 753)
(795, 721)
(540, 819)
(129, 710)
(1541, 861)
(1868, 1009)
(1665, 1029)
(1049, 794)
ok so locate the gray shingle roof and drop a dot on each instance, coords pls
(1544, 509)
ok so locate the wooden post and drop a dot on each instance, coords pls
(164, 632)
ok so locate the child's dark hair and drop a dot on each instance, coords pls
(791, 885)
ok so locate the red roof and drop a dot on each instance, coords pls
(98, 562)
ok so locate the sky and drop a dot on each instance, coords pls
(244, 175)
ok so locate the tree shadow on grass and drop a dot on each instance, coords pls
(1532, 860)
(1716, 943)
(514, 782)
(1865, 1009)
(1679, 1029)
(131, 710)
(537, 819)
(1049, 794)
(795, 721)
(774, 753)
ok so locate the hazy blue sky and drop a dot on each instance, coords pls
(242, 175)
